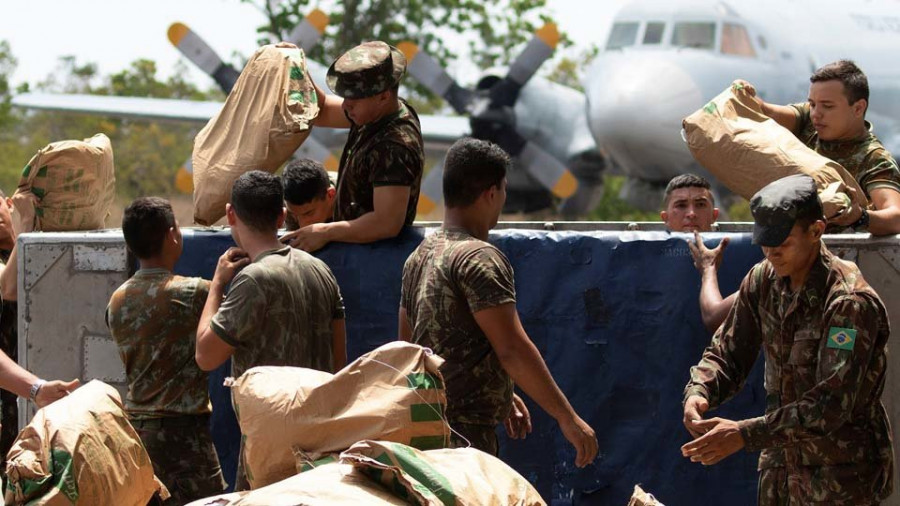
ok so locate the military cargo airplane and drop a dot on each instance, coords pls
(664, 59)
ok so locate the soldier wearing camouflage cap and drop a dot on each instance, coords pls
(381, 167)
(832, 122)
(825, 436)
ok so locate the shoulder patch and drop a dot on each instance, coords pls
(841, 339)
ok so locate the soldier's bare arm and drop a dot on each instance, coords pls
(713, 308)
(784, 115)
(19, 381)
(404, 332)
(885, 218)
(211, 350)
(331, 110)
(522, 361)
(385, 221)
(338, 344)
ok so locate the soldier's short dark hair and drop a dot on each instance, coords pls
(856, 85)
(145, 224)
(258, 199)
(686, 181)
(471, 167)
(305, 180)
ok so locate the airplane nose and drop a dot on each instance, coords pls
(635, 107)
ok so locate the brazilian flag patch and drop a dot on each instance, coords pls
(841, 338)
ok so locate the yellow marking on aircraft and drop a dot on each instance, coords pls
(565, 186)
(318, 19)
(425, 206)
(549, 34)
(177, 31)
(409, 49)
(331, 163)
(184, 180)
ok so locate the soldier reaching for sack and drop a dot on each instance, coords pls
(825, 436)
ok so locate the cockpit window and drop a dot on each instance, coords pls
(694, 34)
(622, 35)
(736, 41)
(654, 32)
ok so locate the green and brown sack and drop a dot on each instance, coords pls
(267, 116)
(67, 186)
(746, 150)
(461, 476)
(393, 393)
(81, 450)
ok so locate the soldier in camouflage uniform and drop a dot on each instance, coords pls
(458, 298)
(153, 319)
(283, 309)
(309, 192)
(382, 163)
(825, 437)
(833, 124)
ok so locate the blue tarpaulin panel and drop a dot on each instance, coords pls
(616, 318)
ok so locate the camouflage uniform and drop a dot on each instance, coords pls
(865, 158)
(279, 311)
(386, 152)
(825, 437)
(153, 319)
(447, 279)
(9, 343)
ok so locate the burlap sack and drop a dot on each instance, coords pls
(68, 185)
(746, 150)
(641, 498)
(441, 477)
(267, 116)
(326, 485)
(81, 450)
(393, 393)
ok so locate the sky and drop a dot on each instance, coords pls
(113, 33)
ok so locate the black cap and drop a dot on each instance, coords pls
(777, 206)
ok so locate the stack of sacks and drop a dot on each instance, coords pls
(746, 150)
(81, 450)
(67, 185)
(394, 393)
(267, 116)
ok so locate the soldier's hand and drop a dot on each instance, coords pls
(745, 85)
(309, 238)
(705, 258)
(54, 390)
(721, 438)
(850, 217)
(582, 437)
(694, 408)
(518, 423)
(230, 263)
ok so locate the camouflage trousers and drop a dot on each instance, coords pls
(482, 437)
(183, 456)
(777, 487)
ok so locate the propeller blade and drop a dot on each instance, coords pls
(432, 192)
(198, 51)
(548, 170)
(308, 32)
(315, 150)
(184, 178)
(430, 74)
(536, 52)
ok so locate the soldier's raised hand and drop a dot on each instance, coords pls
(694, 409)
(705, 258)
(233, 260)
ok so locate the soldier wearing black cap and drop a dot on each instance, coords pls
(825, 436)
(381, 167)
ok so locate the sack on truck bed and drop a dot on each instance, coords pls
(746, 150)
(67, 186)
(267, 116)
(393, 393)
(440, 477)
(81, 450)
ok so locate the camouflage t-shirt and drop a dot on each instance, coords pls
(387, 152)
(153, 319)
(825, 362)
(447, 279)
(279, 311)
(865, 158)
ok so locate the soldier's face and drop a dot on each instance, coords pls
(314, 211)
(792, 257)
(366, 110)
(690, 210)
(831, 112)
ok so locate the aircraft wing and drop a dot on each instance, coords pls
(438, 131)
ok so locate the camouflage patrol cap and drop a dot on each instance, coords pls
(778, 206)
(366, 70)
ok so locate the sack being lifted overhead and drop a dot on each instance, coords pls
(746, 150)
(67, 186)
(267, 116)
(393, 393)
